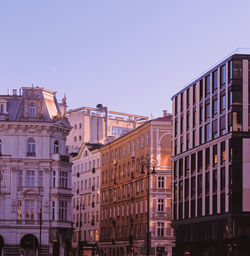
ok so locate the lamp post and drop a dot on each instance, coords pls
(40, 222)
(148, 163)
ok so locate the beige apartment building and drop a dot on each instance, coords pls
(124, 191)
(98, 124)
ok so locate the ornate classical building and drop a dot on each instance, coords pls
(86, 199)
(35, 174)
(127, 210)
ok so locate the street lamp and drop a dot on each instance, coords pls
(148, 163)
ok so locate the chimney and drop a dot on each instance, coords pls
(165, 113)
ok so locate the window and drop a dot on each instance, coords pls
(160, 229)
(53, 210)
(63, 179)
(176, 105)
(188, 117)
(214, 181)
(30, 178)
(186, 188)
(188, 97)
(186, 165)
(199, 185)
(20, 178)
(19, 209)
(187, 141)
(215, 129)
(194, 94)
(40, 178)
(207, 132)
(194, 117)
(62, 210)
(193, 165)
(201, 114)
(230, 70)
(222, 179)
(1, 109)
(237, 69)
(160, 205)
(223, 152)
(181, 168)
(182, 124)
(222, 103)
(182, 102)
(56, 147)
(194, 138)
(215, 107)
(230, 98)
(215, 155)
(31, 147)
(161, 182)
(200, 161)
(215, 80)
(207, 85)
(207, 157)
(201, 135)
(223, 75)
(176, 127)
(207, 112)
(175, 169)
(29, 209)
(222, 125)
(31, 110)
(207, 182)
(201, 89)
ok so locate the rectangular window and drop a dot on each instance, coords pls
(207, 85)
(20, 178)
(40, 178)
(201, 135)
(176, 105)
(193, 165)
(207, 157)
(63, 210)
(188, 97)
(222, 103)
(1, 109)
(187, 141)
(223, 75)
(192, 187)
(160, 205)
(200, 160)
(237, 69)
(29, 209)
(215, 155)
(186, 165)
(222, 179)
(188, 120)
(186, 188)
(207, 132)
(160, 229)
(161, 182)
(199, 185)
(194, 117)
(222, 125)
(201, 114)
(230, 98)
(215, 107)
(214, 181)
(230, 70)
(223, 152)
(180, 168)
(63, 179)
(182, 124)
(207, 112)
(215, 80)
(30, 178)
(182, 102)
(201, 89)
(194, 138)
(215, 129)
(194, 94)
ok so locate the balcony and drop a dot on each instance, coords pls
(31, 153)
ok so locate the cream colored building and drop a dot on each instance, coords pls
(35, 174)
(90, 125)
(86, 199)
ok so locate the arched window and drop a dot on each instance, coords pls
(56, 147)
(31, 147)
(31, 110)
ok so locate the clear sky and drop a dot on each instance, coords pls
(129, 55)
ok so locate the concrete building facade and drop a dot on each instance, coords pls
(211, 144)
(90, 125)
(35, 175)
(124, 192)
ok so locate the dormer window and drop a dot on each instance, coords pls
(56, 147)
(31, 147)
(31, 110)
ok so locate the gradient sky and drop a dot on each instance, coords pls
(129, 55)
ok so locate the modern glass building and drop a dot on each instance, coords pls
(211, 161)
